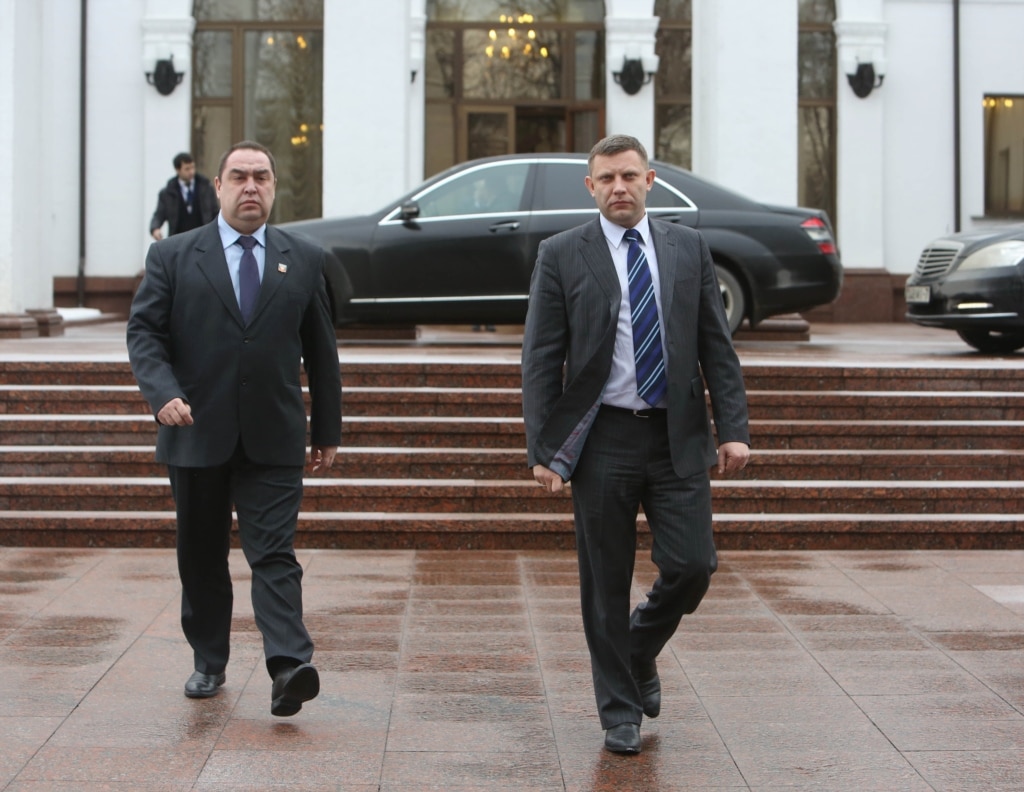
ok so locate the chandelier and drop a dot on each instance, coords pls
(514, 42)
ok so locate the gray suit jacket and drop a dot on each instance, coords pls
(186, 338)
(570, 328)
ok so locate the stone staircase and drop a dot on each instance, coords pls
(433, 456)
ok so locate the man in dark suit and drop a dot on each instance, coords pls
(224, 321)
(622, 332)
(187, 201)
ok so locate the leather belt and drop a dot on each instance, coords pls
(650, 412)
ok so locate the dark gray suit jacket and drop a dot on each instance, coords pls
(571, 320)
(186, 338)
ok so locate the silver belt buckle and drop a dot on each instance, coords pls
(639, 414)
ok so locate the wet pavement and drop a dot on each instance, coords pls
(461, 670)
(467, 671)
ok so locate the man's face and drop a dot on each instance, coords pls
(619, 184)
(187, 171)
(246, 190)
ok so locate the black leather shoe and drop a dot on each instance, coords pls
(202, 685)
(623, 738)
(292, 687)
(646, 677)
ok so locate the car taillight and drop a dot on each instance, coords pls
(818, 231)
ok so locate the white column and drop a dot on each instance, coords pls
(28, 78)
(745, 96)
(10, 35)
(366, 106)
(416, 97)
(860, 135)
(630, 28)
(166, 120)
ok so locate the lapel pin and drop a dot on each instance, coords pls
(282, 267)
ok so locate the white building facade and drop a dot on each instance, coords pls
(86, 140)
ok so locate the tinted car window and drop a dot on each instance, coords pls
(562, 188)
(493, 189)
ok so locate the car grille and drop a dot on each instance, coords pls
(937, 258)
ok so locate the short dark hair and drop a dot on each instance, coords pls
(616, 144)
(247, 144)
(182, 159)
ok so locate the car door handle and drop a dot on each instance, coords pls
(508, 225)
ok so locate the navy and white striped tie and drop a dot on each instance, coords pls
(651, 383)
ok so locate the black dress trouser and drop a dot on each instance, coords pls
(625, 463)
(266, 499)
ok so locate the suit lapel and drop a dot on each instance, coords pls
(275, 269)
(668, 265)
(211, 262)
(594, 250)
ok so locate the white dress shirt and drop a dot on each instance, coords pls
(620, 390)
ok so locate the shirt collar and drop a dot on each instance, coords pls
(613, 232)
(228, 235)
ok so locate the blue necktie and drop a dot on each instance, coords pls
(248, 277)
(651, 383)
(188, 198)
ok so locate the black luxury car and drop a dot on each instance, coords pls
(461, 247)
(972, 283)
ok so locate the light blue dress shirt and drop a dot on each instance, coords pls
(233, 251)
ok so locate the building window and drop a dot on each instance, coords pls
(1004, 155)
(258, 75)
(816, 157)
(673, 109)
(501, 80)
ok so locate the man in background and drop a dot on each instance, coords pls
(187, 201)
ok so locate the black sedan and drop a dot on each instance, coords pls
(461, 247)
(972, 283)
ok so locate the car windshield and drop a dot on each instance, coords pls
(493, 188)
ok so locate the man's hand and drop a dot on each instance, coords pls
(547, 478)
(322, 457)
(157, 234)
(177, 412)
(732, 457)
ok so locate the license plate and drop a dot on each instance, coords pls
(917, 294)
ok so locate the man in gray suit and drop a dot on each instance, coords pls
(622, 332)
(224, 321)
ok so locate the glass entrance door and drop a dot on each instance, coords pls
(262, 79)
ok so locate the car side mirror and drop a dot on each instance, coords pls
(410, 211)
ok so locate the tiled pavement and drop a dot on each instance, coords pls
(464, 671)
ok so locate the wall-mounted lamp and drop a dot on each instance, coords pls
(633, 76)
(163, 77)
(864, 80)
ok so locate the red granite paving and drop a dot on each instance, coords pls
(464, 670)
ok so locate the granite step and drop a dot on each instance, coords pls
(507, 432)
(812, 376)
(507, 402)
(497, 463)
(442, 496)
(381, 462)
(353, 530)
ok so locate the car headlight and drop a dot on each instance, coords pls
(1002, 254)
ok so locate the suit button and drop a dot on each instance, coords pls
(245, 381)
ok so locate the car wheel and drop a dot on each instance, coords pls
(993, 342)
(732, 297)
